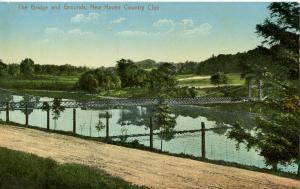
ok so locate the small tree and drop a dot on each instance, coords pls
(57, 108)
(218, 78)
(99, 125)
(165, 121)
(27, 66)
(13, 69)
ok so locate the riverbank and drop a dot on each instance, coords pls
(136, 166)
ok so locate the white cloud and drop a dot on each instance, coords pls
(53, 30)
(164, 25)
(187, 23)
(76, 31)
(132, 33)
(85, 17)
(203, 29)
(79, 32)
(119, 20)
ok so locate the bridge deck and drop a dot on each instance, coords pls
(126, 102)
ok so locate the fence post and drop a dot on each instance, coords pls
(259, 86)
(203, 139)
(48, 119)
(74, 121)
(26, 115)
(7, 112)
(151, 133)
(107, 125)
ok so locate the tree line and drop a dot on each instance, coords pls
(127, 74)
(27, 67)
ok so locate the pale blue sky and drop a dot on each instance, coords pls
(176, 32)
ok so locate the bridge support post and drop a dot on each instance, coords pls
(107, 125)
(48, 119)
(74, 121)
(26, 115)
(151, 133)
(259, 87)
(7, 112)
(203, 139)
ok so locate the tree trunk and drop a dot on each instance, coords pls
(259, 86)
(249, 83)
(274, 166)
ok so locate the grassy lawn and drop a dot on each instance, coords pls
(40, 82)
(27, 171)
(233, 79)
(127, 93)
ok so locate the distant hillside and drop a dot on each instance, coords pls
(229, 63)
(146, 64)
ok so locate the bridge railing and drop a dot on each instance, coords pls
(124, 102)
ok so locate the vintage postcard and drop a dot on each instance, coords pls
(150, 94)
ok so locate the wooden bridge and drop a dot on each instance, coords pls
(110, 103)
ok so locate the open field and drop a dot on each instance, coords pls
(40, 82)
(204, 81)
(136, 166)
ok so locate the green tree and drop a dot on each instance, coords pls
(218, 78)
(163, 80)
(27, 66)
(88, 81)
(3, 68)
(56, 108)
(277, 134)
(164, 119)
(13, 69)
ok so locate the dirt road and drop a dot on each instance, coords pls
(136, 166)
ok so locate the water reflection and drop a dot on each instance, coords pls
(135, 120)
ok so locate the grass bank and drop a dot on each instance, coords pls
(192, 80)
(39, 82)
(136, 145)
(27, 171)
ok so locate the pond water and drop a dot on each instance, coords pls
(135, 120)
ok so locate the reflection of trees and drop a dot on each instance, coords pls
(136, 115)
(6, 97)
(140, 115)
(30, 101)
(221, 117)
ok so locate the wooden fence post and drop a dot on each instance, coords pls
(26, 115)
(107, 125)
(7, 112)
(203, 139)
(48, 119)
(259, 86)
(74, 121)
(151, 133)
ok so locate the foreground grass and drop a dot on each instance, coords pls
(27, 171)
(136, 145)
